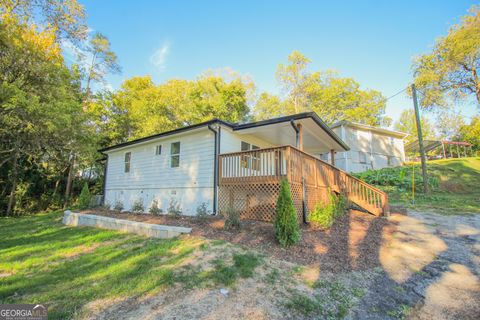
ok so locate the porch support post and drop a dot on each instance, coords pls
(300, 136)
(332, 156)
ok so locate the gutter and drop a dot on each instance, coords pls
(215, 166)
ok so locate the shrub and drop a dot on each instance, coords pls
(107, 206)
(232, 219)
(84, 198)
(118, 206)
(137, 206)
(324, 215)
(202, 211)
(286, 226)
(174, 208)
(154, 209)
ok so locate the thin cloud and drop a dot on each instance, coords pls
(159, 57)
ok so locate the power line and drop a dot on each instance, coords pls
(396, 94)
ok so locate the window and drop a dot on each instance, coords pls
(175, 154)
(362, 157)
(158, 150)
(128, 157)
(250, 161)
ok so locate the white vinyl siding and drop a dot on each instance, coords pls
(151, 176)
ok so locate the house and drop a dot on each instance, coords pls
(222, 166)
(370, 147)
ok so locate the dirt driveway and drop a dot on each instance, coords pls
(427, 267)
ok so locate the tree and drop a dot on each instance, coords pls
(295, 79)
(39, 101)
(286, 226)
(65, 18)
(471, 132)
(332, 97)
(448, 125)
(102, 61)
(451, 70)
(406, 123)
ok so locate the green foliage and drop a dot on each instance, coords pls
(118, 206)
(448, 72)
(324, 215)
(85, 198)
(232, 219)
(332, 97)
(399, 177)
(243, 267)
(154, 209)
(174, 208)
(453, 184)
(137, 206)
(202, 211)
(407, 123)
(287, 230)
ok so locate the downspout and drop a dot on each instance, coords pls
(294, 126)
(105, 171)
(215, 167)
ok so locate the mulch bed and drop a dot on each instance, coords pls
(352, 243)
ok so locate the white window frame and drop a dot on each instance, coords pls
(175, 155)
(127, 162)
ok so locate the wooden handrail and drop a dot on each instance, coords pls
(274, 163)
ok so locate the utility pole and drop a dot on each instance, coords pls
(420, 140)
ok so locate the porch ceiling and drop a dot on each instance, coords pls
(316, 139)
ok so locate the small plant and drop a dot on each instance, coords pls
(84, 198)
(174, 208)
(137, 206)
(202, 211)
(232, 219)
(118, 206)
(286, 226)
(106, 206)
(155, 209)
(324, 215)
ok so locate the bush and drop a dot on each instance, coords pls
(286, 226)
(399, 177)
(118, 206)
(174, 208)
(137, 206)
(202, 211)
(154, 209)
(84, 198)
(232, 219)
(325, 214)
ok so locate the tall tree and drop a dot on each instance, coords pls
(332, 97)
(471, 132)
(451, 70)
(99, 60)
(406, 123)
(66, 18)
(448, 124)
(39, 100)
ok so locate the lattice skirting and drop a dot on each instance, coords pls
(257, 201)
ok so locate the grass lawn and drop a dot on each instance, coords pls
(456, 189)
(42, 261)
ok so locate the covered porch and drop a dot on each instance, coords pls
(249, 181)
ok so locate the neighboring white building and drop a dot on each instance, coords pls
(180, 167)
(370, 147)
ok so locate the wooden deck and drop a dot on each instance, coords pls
(249, 181)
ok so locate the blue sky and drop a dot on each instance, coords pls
(372, 41)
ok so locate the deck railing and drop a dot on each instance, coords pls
(272, 164)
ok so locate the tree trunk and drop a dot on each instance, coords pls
(11, 200)
(68, 188)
